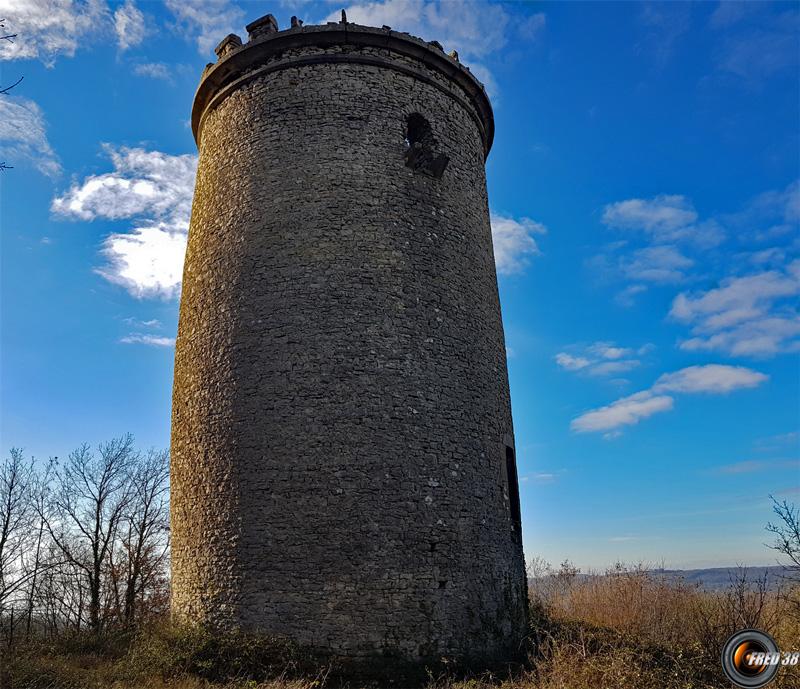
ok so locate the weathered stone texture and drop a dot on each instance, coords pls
(341, 408)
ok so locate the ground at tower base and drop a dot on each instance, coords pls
(626, 628)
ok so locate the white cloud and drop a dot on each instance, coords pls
(571, 363)
(664, 218)
(624, 412)
(136, 323)
(513, 241)
(746, 315)
(128, 25)
(208, 21)
(660, 234)
(658, 264)
(627, 411)
(48, 28)
(147, 261)
(711, 378)
(153, 188)
(769, 215)
(608, 350)
(627, 296)
(663, 213)
(154, 70)
(152, 340)
(610, 368)
(143, 183)
(601, 359)
(23, 135)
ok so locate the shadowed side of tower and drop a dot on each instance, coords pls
(343, 467)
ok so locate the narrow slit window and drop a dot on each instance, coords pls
(513, 494)
(421, 148)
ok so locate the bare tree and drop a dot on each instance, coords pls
(90, 497)
(786, 533)
(144, 531)
(16, 518)
(34, 561)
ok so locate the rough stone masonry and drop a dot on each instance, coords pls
(343, 467)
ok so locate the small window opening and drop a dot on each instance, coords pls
(442, 584)
(433, 546)
(513, 494)
(421, 155)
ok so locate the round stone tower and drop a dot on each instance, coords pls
(343, 468)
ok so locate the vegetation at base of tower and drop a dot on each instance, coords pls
(629, 627)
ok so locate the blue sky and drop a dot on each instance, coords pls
(645, 191)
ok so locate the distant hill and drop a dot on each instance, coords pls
(718, 578)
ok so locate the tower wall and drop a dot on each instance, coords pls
(341, 415)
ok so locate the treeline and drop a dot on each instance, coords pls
(84, 542)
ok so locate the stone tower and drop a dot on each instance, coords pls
(343, 467)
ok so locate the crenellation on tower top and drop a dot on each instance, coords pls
(270, 48)
(262, 27)
(227, 45)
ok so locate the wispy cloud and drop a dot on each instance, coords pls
(207, 21)
(769, 216)
(601, 358)
(666, 242)
(777, 442)
(656, 264)
(756, 45)
(717, 379)
(664, 218)
(154, 70)
(532, 27)
(153, 188)
(750, 315)
(660, 234)
(514, 242)
(729, 12)
(146, 339)
(23, 134)
(136, 323)
(48, 28)
(129, 25)
(571, 363)
(757, 465)
(628, 411)
(663, 24)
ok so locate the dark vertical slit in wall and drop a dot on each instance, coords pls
(513, 493)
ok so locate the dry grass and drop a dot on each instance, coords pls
(625, 629)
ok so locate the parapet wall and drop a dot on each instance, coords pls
(269, 50)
